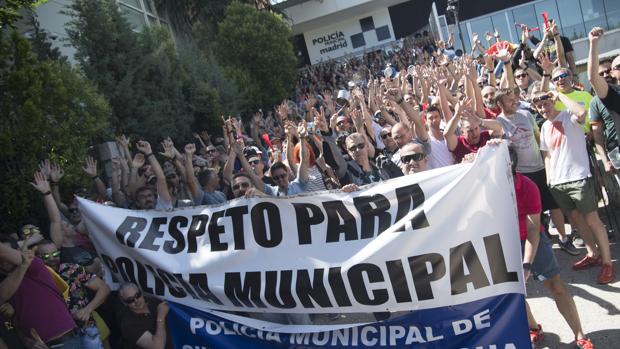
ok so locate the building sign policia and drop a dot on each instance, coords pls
(330, 42)
(408, 245)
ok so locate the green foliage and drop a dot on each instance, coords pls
(48, 110)
(9, 10)
(152, 91)
(254, 47)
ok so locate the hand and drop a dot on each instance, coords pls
(488, 62)
(138, 161)
(302, 129)
(91, 166)
(393, 94)
(40, 183)
(205, 135)
(504, 55)
(253, 192)
(27, 254)
(190, 149)
(162, 310)
(56, 173)
(44, 168)
(469, 158)
(596, 34)
(116, 165)
(168, 148)
(522, 61)
(349, 188)
(474, 37)
(545, 63)
(144, 147)
(82, 315)
(609, 167)
(123, 141)
(527, 274)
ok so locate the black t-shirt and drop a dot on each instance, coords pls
(133, 325)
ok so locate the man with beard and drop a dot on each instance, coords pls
(147, 197)
(491, 110)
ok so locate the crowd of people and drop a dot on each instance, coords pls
(350, 123)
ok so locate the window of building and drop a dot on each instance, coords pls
(525, 15)
(593, 14)
(572, 19)
(135, 18)
(551, 8)
(150, 7)
(499, 23)
(612, 8)
(134, 3)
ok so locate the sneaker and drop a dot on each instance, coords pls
(577, 240)
(584, 343)
(536, 335)
(587, 262)
(606, 275)
(568, 247)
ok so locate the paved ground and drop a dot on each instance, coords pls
(598, 305)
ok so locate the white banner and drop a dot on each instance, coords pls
(443, 237)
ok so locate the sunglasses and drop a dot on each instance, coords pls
(27, 231)
(254, 162)
(413, 157)
(47, 256)
(540, 99)
(131, 300)
(561, 76)
(357, 147)
(241, 185)
(520, 76)
(279, 177)
(604, 72)
(385, 135)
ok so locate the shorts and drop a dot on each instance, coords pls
(577, 195)
(540, 179)
(545, 266)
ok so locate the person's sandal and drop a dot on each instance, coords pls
(536, 335)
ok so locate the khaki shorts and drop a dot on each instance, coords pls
(577, 195)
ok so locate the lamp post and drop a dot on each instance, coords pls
(453, 8)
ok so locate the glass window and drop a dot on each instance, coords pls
(499, 23)
(572, 19)
(150, 7)
(481, 26)
(134, 3)
(613, 13)
(152, 20)
(466, 38)
(525, 15)
(550, 7)
(135, 18)
(593, 14)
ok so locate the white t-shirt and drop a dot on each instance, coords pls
(440, 156)
(563, 138)
(520, 129)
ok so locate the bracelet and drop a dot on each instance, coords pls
(527, 266)
(94, 177)
(547, 75)
(46, 193)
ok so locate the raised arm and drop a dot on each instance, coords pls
(162, 187)
(22, 259)
(157, 340)
(91, 170)
(41, 184)
(449, 131)
(302, 172)
(192, 181)
(101, 291)
(598, 82)
(575, 108)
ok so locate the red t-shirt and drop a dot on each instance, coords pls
(463, 147)
(528, 201)
(39, 305)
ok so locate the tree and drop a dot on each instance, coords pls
(152, 92)
(9, 10)
(48, 110)
(254, 47)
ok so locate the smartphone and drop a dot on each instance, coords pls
(310, 127)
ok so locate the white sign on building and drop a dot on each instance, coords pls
(349, 36)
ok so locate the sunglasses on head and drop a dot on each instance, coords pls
(131, 300)
(241, 185)
(357, 147)
(47, 256)
(413, 157)
(540, 99)
(27, 231)
(385, 135)
(561, 76)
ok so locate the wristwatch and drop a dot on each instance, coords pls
(527, 266)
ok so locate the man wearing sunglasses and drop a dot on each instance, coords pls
(563, 80)
(413, 159)
(609, 96)
(360, 170)
(143, 320)
(571, 183)
(81, 285)
(204, 188)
